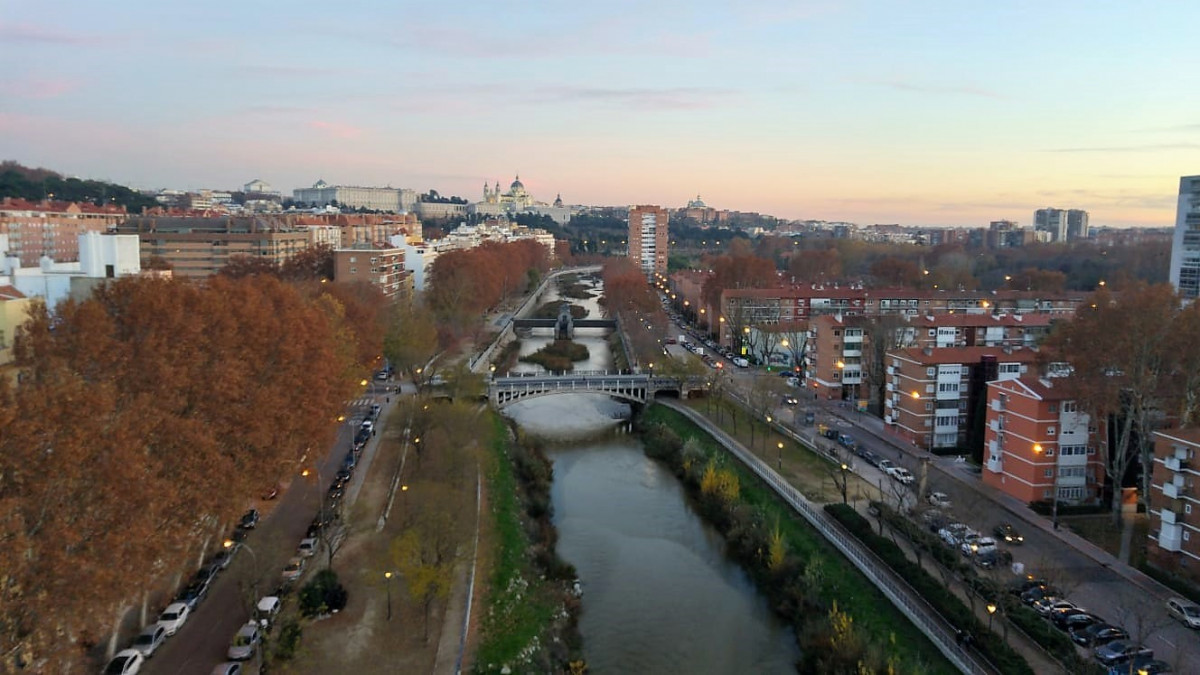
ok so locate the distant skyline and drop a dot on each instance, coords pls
(920, 113)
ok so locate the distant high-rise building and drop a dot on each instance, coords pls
(1077, 224)
(1185, 249)
(648, 238)
(1052, 221)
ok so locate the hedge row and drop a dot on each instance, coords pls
(990, 645)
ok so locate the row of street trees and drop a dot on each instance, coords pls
(465, 284)
(145, 419)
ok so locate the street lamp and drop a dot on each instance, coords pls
(780, 461)
(387, 584)
(991, 609)
(228, 545)
(845, 468)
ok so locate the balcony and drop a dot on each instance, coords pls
(1173, 491)
(1170, 537)
(891, 387)
(891, 370)
(1174, 463)
(1168, 516)
(995, 465)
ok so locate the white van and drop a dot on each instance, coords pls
(740, 362)
(267, 610)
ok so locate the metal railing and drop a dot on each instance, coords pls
(895, 588)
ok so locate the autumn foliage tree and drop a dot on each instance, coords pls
(465, 284)
(145, 420)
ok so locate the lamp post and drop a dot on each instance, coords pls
(387, 584)
(780, 460)
(228, 545)
(845, 469)
(991, 609)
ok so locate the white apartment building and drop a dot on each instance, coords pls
(101, 256)
(321, 193)
(1185, 249)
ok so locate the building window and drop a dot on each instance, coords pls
(353, 259)
(353, 270)
(1050, 431)
(931, 371)
(1187, 508)
(1187, 536)
(928, 407)
(1053, 408)
(1091, 451)
(1048, 473)
(1049, 452)
(1069, 406)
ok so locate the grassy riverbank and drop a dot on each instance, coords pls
(528, 616)
(843, 622)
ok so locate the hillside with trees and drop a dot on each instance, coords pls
(37, 184)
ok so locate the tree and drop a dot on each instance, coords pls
(892, 271)
(314, 263)
(881, 334)
(816, 265)
(425, 555)
(411, 339)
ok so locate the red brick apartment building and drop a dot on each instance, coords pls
(52, 228)
(1038, 446)
(1175, 502)
(648, 238)
(835, 357)
(932, 393)
(380, 266)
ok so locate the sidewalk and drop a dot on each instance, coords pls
(1014, 507)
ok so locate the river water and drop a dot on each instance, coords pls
(659, 595)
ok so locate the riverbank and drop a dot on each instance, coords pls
(841, 620)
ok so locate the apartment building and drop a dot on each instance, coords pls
(933, 394)
(834, 359)
(1185, 246)
(382, 266)
(648, 238)
(1038, 444)
(976, 330)
(52, 228)
(1175, 502)
(200, 247)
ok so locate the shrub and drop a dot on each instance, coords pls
(323, 594)
(1042, 631)
(289, 639)
(1046, 508)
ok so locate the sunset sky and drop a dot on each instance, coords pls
(944, 113)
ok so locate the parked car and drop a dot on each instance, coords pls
(174, 616)
(249, 520)
(1098, 634)
(362, 436)
(952, 533)
(1141, 665)
(294, 569)
(740, 362)
(222, 558)
(870, 457)
(192, 594)
(266, 610)
(308, 546)
(981, 546)
(368, 426)
(1186, 611)
(1037, 593)
(1008, 533)
(149, 640)
(847, 441)
(966, 542)
(789, 399)
(935, 520)
(1046, 606)
(375, 410)
(229, 668)
(994, 558)
(1120, 651)
(1026, 583)
(903, 475)
(126, 662)
(245, 641)
(1075, 619)
(938, 500)
(885, 465)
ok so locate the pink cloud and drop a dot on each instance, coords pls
(336, 129)
(28, 32)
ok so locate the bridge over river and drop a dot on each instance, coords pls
(635, 387)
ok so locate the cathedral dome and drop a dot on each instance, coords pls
(517, 184)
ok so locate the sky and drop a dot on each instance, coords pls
(918, 113)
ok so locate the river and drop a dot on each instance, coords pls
(659, 594)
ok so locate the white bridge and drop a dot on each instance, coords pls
(636, 387)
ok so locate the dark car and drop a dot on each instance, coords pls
(993, 559)
(791, 400)
(1098, 634)
(1080, 621)
(343, 476)
(249, 520)
(1024, 584)
(362, 436)
(830, 433)
(335, 492)
(870, 457)
(1037, 593)
(1008, 534)
(1142, 665)
(192, 595)
(1120, 651)
(314, 528)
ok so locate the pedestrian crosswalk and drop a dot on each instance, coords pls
(360, 402)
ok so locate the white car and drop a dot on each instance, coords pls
(368, 425)
(952, 533)
(1185, 611)
(939, 500)
(980, 546)
(149, 640)
(173, 617)
(966, 542)
(244, 642)
(126, 662)
(307, 547)
(903, 475)
(294, 569)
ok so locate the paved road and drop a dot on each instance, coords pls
(1088, 576)
(202, 641)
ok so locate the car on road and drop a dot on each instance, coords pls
(149, 640)
(790, 399)
(192, 594)
(1037, 593)
(375, 410)
(870, 457)
(267, 609)
(1074, 618)
(245, 641)
(1185, 611)
(1120, 651)
(885, 465)
(368, 426)
(979, 546)
(126, 662)
(740, 362)
(1008, 533)
(1141, 665)
(307, 547)
(952, 533)
(174, 616)
(847, 441)
(1047, 606)
(938, 500)
(903, 475)
(229, 668)
(249, 520)
(1098, 634)
(994, 558)
(294, 569)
